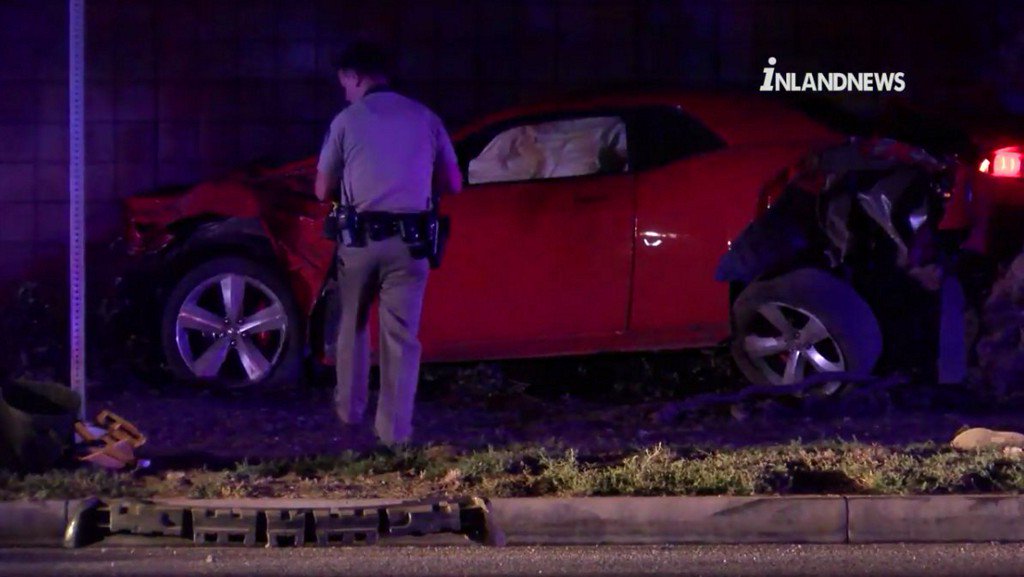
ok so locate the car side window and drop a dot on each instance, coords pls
(664, 134)
(550, 149)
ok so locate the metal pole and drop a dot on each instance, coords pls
(76, 183)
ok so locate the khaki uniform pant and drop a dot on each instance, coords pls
(384, 270)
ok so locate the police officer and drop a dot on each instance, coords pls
(386, 156)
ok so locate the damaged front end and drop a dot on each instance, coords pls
(869, 212)
(267, 216)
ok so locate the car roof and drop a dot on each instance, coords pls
(738, 118)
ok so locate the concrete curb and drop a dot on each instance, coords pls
(654, 520)
(27, 523)
(635, 520)
(946, 518)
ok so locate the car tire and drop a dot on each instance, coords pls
(800, 323)
(253, 339)
(1000, 349)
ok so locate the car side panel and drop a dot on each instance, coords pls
(294, 224)
(687, 213)
(532, 262)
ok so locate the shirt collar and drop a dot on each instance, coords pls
(379, 88)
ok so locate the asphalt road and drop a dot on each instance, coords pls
(763, 560)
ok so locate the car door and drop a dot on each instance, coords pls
(682, 198)
(694, 194)
(538, 259)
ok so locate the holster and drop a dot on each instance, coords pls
(331, 230)
(426, 235)
(344, 225)
(443, 225)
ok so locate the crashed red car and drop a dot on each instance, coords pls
(586, 226)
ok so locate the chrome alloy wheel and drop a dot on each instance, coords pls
(790, 344)
(231, 325)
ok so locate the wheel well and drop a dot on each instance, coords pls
(205, 239)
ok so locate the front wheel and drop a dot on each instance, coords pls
(232, 323)
(802, 323)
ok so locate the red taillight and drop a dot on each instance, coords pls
(1005, 162)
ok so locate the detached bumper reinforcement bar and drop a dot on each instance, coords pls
(95, 519)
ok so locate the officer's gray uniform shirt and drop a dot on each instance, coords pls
(383, 149)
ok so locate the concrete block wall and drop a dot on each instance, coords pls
(184, 90)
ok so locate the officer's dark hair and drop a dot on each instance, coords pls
(365, 58)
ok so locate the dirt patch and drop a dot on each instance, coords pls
(473, 407)
(552, 430)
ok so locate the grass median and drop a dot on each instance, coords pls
(520, 471)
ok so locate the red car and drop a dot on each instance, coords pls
(584, 227)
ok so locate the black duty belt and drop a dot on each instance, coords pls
(425, 233)
(384, 225)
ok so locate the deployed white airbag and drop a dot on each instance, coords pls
(553, 150)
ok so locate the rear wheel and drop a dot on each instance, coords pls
(802, 323)
(232, 323)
